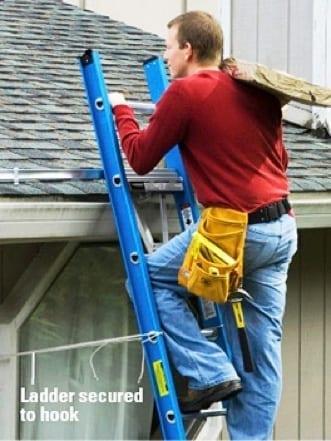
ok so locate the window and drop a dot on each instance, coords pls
(86, 302)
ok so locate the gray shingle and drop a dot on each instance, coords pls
(44, 117)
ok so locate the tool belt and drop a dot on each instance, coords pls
(213, 263)
(270, 212)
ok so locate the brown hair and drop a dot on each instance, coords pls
(203, 32)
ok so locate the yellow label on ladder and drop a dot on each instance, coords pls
(238, 314)
(160, 378)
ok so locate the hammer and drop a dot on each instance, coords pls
(236, 298)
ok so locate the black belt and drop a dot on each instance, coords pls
(270, 212)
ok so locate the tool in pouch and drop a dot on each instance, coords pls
(213, 265)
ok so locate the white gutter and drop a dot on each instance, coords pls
(42, 221)
(313, 210)
(22, 221)
(92, 221)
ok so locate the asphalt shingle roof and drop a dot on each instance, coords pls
(44, 118)
(309, 160)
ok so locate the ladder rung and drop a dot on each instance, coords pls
(204, 414)
(158, 180)
(165, 187)
(209, 332)
(158, 174)
(142, 106)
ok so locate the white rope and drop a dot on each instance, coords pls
(141, 366)
(92, 358)
(147, 337)
(151, 337)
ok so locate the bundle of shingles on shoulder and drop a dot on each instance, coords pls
(285, 86)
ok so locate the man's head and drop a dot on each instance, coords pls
(194, 39)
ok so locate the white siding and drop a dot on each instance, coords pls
(244, 33)
(300, 40)
(134, 13)
(305, 411)
(276, 34)
(290, 35)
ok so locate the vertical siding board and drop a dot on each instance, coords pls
(244, 29)
(273, 33)
(1, 275)
(321, 61)
(312, 335)
(288, 428)
(300, 39)
(276, 34)
(327, 382)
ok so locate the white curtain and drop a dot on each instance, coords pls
(86, 302)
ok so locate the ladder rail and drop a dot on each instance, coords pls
(187, 207)
(131, 248)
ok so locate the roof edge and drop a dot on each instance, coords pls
(33, 221)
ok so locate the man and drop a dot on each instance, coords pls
(230, 137)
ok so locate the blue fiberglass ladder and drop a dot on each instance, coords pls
(170, 418)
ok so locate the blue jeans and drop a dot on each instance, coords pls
(269, 249)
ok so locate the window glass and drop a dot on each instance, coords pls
(86, 302)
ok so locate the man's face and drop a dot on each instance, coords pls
(176, 58)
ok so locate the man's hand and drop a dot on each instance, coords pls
(116, 99)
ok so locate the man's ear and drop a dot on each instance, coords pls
(188, 51)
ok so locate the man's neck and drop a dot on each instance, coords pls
(195, 68)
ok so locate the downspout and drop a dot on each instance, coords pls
(184, 6)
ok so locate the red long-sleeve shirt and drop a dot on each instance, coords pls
(230, 137)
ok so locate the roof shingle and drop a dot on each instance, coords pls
(44, 117)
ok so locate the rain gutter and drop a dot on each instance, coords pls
(47, 220)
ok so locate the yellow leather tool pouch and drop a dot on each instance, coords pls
(213, 263)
